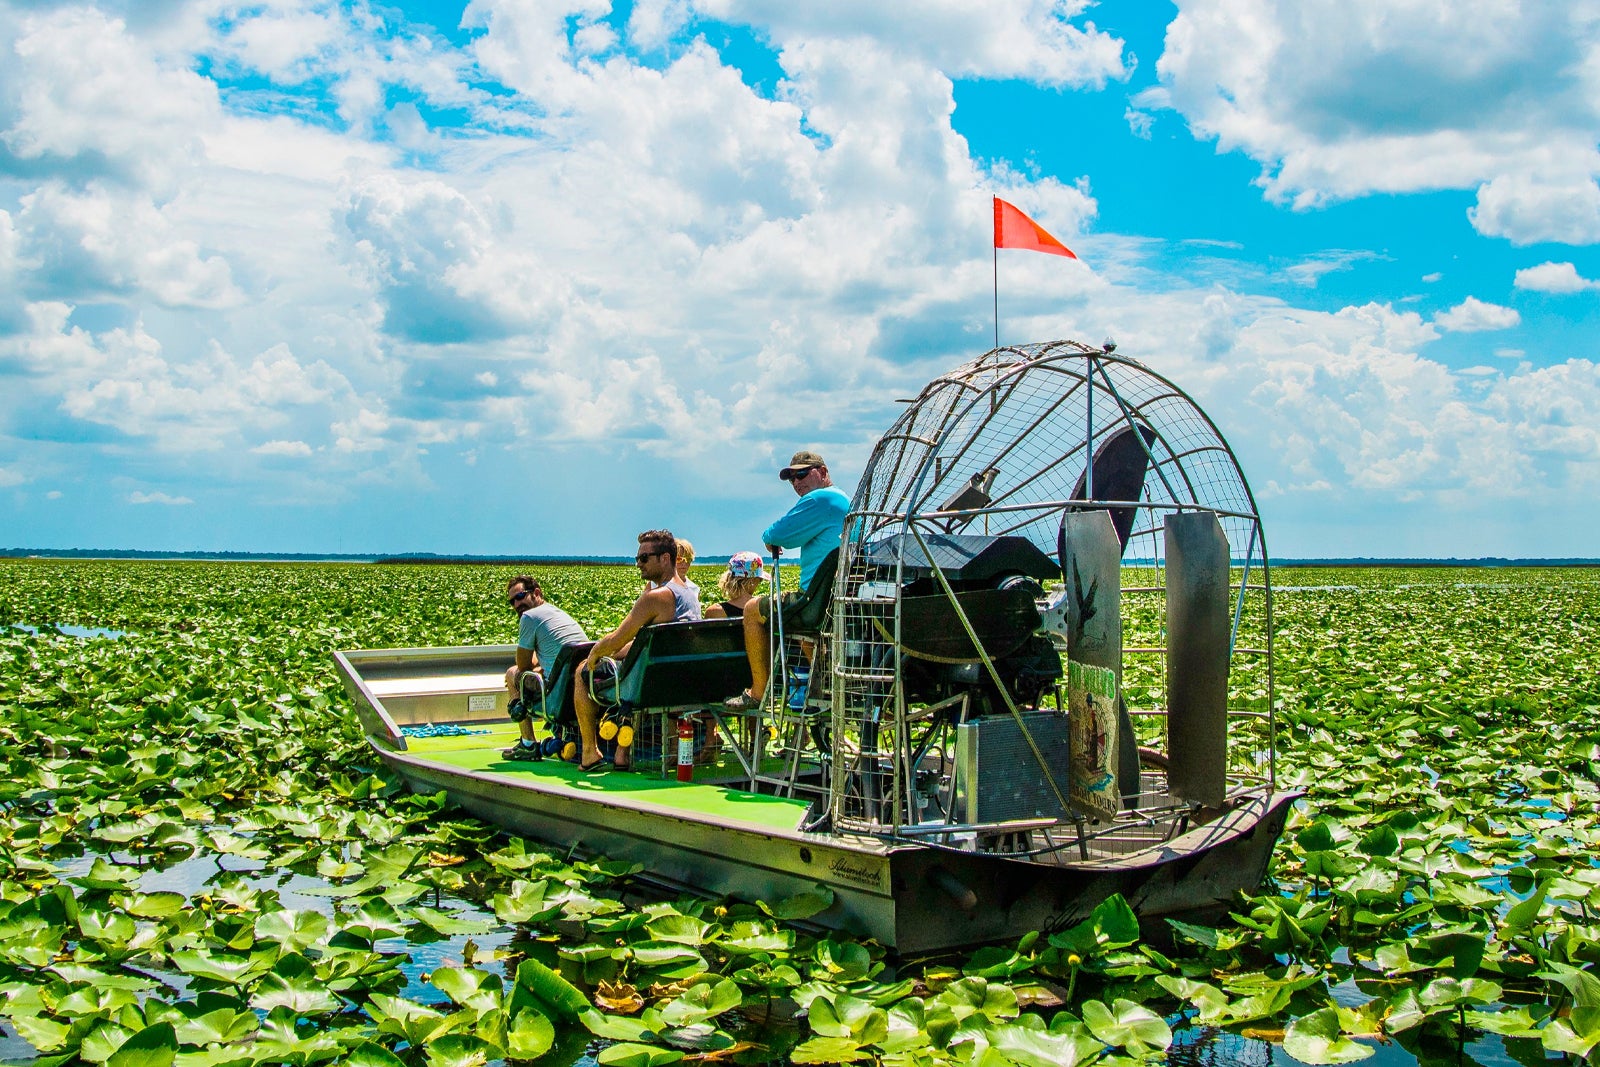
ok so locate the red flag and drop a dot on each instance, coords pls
(1013, 229)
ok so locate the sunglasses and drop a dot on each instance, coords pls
(641, 557)
(515, 597)
(795, 476)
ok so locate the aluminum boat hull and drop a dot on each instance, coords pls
(914, 897)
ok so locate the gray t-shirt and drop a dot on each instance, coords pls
(545, 629)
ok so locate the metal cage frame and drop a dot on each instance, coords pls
(1018, 431)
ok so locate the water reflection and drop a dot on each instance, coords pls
(1210, 1046)
(67, 629)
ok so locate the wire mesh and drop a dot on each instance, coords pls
(1005, 445)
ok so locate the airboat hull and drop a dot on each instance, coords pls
(723, 841)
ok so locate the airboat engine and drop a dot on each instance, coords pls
(999, 583)
(996, 681)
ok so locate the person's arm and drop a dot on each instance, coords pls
(646, 610)
(527, 634)
(526, 661)
(811, 515)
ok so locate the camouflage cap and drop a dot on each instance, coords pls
(801, 462)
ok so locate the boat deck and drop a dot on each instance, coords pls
(479, 753)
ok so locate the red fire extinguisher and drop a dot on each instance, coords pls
(685, 748)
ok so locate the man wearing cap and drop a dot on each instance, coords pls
(813, 526)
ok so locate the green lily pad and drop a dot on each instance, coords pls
(372, 1054)
(1317, 1039)
(702, 1001)
(1125, 1024)
(461, 1050)
(294, 930)
(629, 1055)
(154, 1046)
(529, 1035)
(800, 906)
(828, 1050)
(552, 990)
(292, 983)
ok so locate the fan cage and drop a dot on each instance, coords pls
(1036, 414)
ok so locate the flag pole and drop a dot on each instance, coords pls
(995, 255)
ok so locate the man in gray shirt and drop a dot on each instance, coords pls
(542, 630)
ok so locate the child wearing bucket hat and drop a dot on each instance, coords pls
(746, 571)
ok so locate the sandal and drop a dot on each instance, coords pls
(599, 766)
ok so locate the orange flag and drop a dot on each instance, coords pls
(1013, 229)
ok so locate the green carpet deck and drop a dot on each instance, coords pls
(481, 752)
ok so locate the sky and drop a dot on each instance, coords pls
(529, 276)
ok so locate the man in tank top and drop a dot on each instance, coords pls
(666, 600)
(685, 560)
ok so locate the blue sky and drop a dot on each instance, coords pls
(527, 276)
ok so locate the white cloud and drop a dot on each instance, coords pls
(1308, 271)
(87, 99)
(1340, 98)
(281, 40)
(652, 23)
(100, 243)
(138, 497)
(1528, 208)
(10, 477)
(441, 275)
(124, 380)
(1472, 315)
(365, 431)
(1032, 39)
(1553, 416)
(1553, 278)
(1348, 400)
(295, 449)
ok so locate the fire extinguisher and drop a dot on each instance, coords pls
(685, 748)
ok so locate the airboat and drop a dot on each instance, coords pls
(1044, 677)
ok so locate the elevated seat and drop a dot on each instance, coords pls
(811, 611)
(555, 705)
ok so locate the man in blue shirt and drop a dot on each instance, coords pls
(813, 526)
